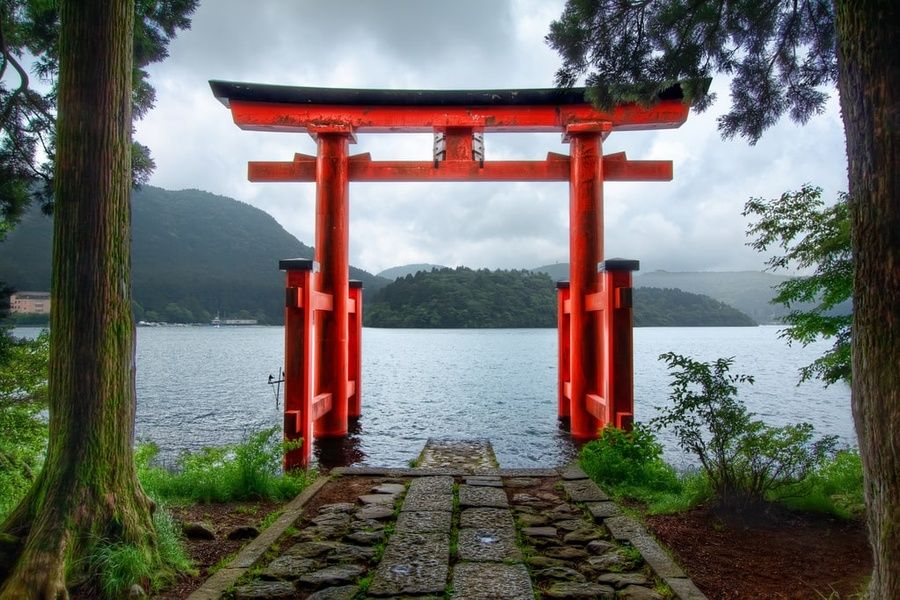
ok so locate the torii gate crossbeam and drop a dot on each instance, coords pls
(322, 366)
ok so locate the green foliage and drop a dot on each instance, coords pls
(743, 459)
(654, 307)
(464, 297)
(250, 470)
(834, 487)
(27, 119)
(630, 465)
(23, 428)
(812, 236)
(779, 55)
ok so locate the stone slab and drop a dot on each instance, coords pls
(426, 502)
(389, 488)
(623, 528)
(380, 499)
(684, 589)
(413, 563)
(265, 590)
(488, 544)
(344, 592)
(424, 522)
(602, 510)
(490, 581)
(486, 517)
(484, 481)
(584, 490)
(431, 485)
(572, 472)
(471, 456)
(656, 557)
(484, 497)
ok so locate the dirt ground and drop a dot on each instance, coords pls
(779, 555)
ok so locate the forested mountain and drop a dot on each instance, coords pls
(404, 270)
(464, 298)
(194, 254)
(748, 291)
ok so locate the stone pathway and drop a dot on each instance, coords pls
(478, 534)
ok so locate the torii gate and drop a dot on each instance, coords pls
(322, 352)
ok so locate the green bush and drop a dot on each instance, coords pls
(834, 487)
(630, 465)
(744, 460)
(250, 470)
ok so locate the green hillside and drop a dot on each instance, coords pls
(463, 298)
(193, 254)
(404, 270)
(750, 292)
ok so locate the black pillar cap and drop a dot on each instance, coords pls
(355, 283)
(619, 264)
(562, 285)
(298, 264)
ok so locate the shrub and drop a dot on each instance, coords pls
(250, 470)
(744, 459)
(630, 465)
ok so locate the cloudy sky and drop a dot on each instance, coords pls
(691, 223)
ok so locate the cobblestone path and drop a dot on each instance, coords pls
(473, 532)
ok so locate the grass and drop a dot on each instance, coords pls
(835, 487)
(245, 471)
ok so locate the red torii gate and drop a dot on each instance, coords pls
(322, 355)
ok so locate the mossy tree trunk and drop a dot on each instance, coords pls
(88, 489)
(869, 84)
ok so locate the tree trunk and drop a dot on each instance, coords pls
(869, 82)
(88, 489)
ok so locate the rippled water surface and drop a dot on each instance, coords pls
(200, 386)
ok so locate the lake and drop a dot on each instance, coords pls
(204, 386)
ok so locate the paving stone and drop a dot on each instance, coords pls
(487, 497)
(490, 581)
(566, 553)
(367, 525)
(522, 482)
(569, 524)
(533, 532)
(544, 562)
(337, 507)
(289, 568)
(413, 564)
(336, 575)
(488, 544)
(528, 520)
(582, 536)
(365, 538)
(637, 592)
(431, 485)
(656, 557)
(484, 481)
(573, 472)
(600, 547)
(424, 522)
(380, 499)
(684, 588)
(563, 511)
(571, 590)
(312, 549)
(375, 513)
(529, 500)
(427, 502)
(620, 580)
(265, 590)
(351, 553)
(486, 517)
(344, 592)
(468, 456)
(389, 488)
(584, 490)
(332, 519)
(602, 510)
(612, 560)
(559, 574)
(623, 528)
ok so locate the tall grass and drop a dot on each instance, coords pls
(245, 471)
(834, 487)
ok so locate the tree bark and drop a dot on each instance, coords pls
(869, 81)
(88, 488)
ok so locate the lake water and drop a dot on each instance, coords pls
(204, 386)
